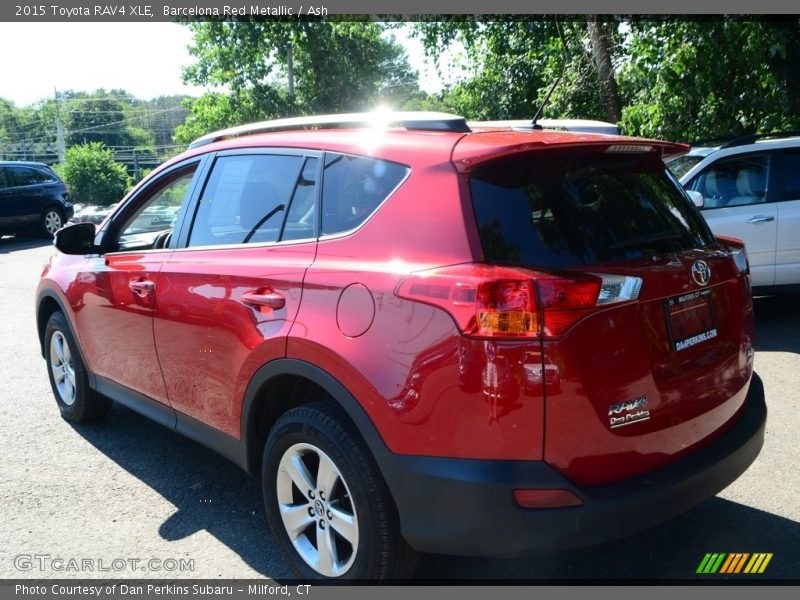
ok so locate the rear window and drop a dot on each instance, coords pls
(566, 210)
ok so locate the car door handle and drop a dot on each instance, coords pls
(268, 298)
(141, 288)
(760, 219)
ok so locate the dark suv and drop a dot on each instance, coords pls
(421, 336)
(32, 196)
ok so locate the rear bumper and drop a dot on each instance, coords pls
(465, 507)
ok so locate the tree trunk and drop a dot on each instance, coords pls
(602, 60)
(290, 69)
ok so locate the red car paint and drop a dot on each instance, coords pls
(429, 387)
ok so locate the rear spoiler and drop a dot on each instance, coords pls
(474, 150)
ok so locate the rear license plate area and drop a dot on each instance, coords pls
(690, 319)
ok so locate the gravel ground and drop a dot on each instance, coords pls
(127, 489)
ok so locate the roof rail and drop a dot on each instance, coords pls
(751, 138)
(578, 125)
(417, 121)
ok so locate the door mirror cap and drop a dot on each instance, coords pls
(696, 198)
(76, 239)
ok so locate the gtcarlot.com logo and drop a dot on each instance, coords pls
(73, 564)
(734, 563)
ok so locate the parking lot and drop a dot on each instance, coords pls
(126, 491)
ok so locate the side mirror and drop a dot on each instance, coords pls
(696, 198)
(76, 239)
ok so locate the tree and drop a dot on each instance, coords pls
(693, 80)
(214, 111)
(602, 60)
(513, 62)
(103, 117)
(9, 124)
(335, 67)
(92, 175)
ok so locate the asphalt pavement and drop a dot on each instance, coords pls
(128, 498)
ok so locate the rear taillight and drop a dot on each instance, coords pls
(738, 252)
(567, 301)
(740, 258)
(500, 302)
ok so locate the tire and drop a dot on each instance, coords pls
(52, 220)
(69, 380)
(315, 446)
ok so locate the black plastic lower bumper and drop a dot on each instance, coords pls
(465, 507)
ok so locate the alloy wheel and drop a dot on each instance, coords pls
(317, 510)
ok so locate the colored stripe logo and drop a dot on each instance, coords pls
(734, 563)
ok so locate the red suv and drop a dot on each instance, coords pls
(420, 335)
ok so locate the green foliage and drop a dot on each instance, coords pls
(92, 175)
(335, 66)
(114, 118)
(694, 80)
(211, 112)
(677, 78)
(102, 117)
(511, 65)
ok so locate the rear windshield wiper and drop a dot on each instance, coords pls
(641, 240)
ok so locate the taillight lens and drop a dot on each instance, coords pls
(740, 258)
(567, 301)
(505, 308)
(499, 302)
(738, 252)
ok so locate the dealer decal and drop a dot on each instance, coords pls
(628, 412)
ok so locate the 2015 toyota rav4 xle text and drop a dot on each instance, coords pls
(421, 335)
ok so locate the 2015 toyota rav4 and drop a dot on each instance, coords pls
(420, 336)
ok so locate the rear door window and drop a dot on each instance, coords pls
(25, 176)
(353, 189)
(564, 210)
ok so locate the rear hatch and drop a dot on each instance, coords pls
(646, 319)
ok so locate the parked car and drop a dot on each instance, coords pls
(751, 190)
(32, 196)
(352, 308)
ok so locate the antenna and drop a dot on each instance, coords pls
(556, 82)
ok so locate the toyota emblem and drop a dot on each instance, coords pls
(701, 272)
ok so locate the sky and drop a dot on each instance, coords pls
(144, 59)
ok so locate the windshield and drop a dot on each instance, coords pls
(681, 165)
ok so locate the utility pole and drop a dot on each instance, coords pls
(135, 167)
(61, 143)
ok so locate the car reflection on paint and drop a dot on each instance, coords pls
(540, 371)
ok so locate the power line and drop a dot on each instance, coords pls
(92, 128)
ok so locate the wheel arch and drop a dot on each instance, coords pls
(53, 204)
(48, 303)
(285, 383)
